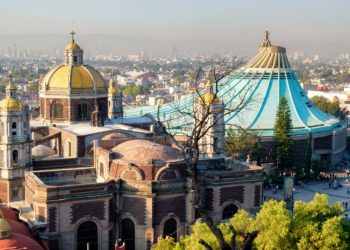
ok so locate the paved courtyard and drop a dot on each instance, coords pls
(307, 192)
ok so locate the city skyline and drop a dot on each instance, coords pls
(227, 26)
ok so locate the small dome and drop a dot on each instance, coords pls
(112, 87)
(72, 46)
(18, 241)
(75, 77)
(8, 213)
(11, 86)
(209, 98)
(115, 136)
(42, 151)
(10, 104)
(144, 151)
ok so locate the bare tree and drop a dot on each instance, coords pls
(197, 127)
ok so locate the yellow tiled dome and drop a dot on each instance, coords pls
(10, 104)
(73, 76)
(72, 46)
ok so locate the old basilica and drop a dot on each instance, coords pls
(82, 174)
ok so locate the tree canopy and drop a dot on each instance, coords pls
(313, 225)
(132, 91)
(243, 143)
(329, 107)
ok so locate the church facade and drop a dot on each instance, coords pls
(92, 178)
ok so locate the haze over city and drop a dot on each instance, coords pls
(177, 125)
(197, 27)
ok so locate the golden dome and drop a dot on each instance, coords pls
(72, 46)
(10, 104)
(209, 98)
(81, 77)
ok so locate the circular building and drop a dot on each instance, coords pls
(253, 93)
(262, 82)
(70, 92)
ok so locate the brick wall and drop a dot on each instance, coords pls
(232, 193)
(92, 208)
(4, 191)
(136, 207)
(163, 206)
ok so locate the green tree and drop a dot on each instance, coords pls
(128, 91)
(136, 90)
(242, 143)
(313, 225)
(329, 107)
(283, 143)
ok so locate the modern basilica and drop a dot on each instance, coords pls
(83, 174)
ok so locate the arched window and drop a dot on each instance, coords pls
(14, 157)
(87, 234)
(128, 234)
(57, 110)
(14, 125)
(170, 228)
(229, 211)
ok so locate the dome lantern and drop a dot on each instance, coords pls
(10, 103)
(73, 54)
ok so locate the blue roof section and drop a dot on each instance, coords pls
(260, 84)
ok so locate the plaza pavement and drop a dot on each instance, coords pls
(307, 193)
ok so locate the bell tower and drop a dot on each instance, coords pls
(115, 101)
(208, 107)
(15, 150)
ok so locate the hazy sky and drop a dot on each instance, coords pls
(181, 19)
(315, 26)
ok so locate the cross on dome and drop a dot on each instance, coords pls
(72, 34)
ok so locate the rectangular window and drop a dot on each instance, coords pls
(82, 111)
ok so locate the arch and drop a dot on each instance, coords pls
(164, 169)
(87, 233)
(229, 210)
(167, 231)
(14, 157)
(170, 228)
(131, 171)
(128, 233)
(57, 110)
